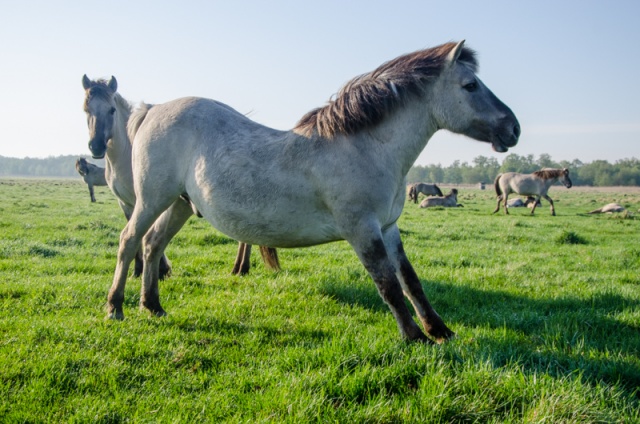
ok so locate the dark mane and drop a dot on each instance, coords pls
(367, 99)
(547, 174)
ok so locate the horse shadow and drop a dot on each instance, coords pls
(558, 337)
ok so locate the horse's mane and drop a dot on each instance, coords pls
(548, 173)
(367, 99)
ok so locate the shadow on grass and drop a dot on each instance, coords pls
(558, 337)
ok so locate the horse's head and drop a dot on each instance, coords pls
(81, 166)
(99, 105)
(466, 106)
(565, 178)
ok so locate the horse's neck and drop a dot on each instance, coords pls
(404, 133)
(119, 149)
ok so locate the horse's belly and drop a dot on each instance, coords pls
(282, 230)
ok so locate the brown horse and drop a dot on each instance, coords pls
(536, 185)
(92, 174)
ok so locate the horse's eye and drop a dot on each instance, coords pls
(471, 87)
(112, 111)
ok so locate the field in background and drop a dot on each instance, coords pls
(547, 312)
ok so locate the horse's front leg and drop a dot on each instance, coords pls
(91, 193)
(535, 204)
(373, 255)
(243, 259)
(553, 209)
(431, 321)
(155, 242)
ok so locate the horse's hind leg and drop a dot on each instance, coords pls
(130, 240)
(431, 321)
(498, 205)
(155, 242)
(270, 257)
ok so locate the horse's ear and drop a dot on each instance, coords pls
(86, 82)
(454, 54)
(113, 84)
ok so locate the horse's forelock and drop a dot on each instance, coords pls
(367, 99)
(98, 89)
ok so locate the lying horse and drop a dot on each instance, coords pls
(427, 189)
(535, 185)
(529, 202)
(448, 201)
(92, 174)
(609, 208)
(338, 175)
(108, 115)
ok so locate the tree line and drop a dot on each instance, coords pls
(625, 172)
(58, 166)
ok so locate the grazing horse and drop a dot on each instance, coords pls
(427, 189)
(108, 115)
(338, 175)
(535, 185)
(448, 201)
(92, 174)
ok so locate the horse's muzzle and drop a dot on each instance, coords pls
(508, 138)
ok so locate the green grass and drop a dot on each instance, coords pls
(547, 312)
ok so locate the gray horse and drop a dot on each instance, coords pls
(448, 201)
(92, 174)
(535, 185)
(338, 175)
(427, 189)
(108, 115)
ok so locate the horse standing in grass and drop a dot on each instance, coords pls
(338, 175)
(535, 185)
(427, 189)
(92, 174)
(108, 114)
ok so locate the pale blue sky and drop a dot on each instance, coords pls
(568, 69)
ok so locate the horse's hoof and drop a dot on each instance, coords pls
(442, 334)
(115, 315)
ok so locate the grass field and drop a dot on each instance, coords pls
(546, 311)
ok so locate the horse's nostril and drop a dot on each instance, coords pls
(516, 130)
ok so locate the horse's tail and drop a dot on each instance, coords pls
(438, 191)
(136, 119)
(412, 193)
(270, 257)
(496, 184)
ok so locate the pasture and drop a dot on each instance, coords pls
(546, 311)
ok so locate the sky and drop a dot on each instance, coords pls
(568, 69)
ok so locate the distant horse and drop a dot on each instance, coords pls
(448, 201)
(609, 208)
(427, 189)
(108, 115)
(92, 174)
(338, 175)
(536, 185)
(529, 202)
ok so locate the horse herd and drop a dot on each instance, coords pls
(339, 174)
(534, 186)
